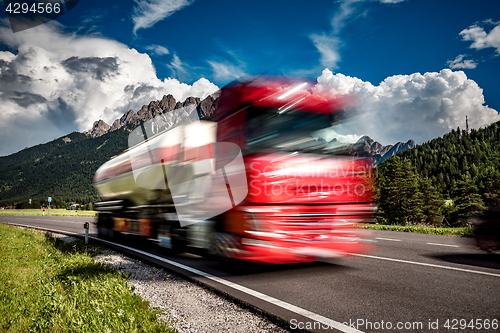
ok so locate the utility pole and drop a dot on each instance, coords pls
(466, 124)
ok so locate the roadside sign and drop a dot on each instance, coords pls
(50, 200)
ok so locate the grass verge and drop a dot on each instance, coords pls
(422, 229)
(53, 212)
(47, 285)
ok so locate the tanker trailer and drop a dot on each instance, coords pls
(139, 195)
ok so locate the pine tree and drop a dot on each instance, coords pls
(489, 185)
(412, 202)
(398, 196)
(431, 201)
(468, 201)
(389, 192)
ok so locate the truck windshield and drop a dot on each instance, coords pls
(270, 129)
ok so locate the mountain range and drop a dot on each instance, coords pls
(164, 106)
(364, 147)
(64, 168)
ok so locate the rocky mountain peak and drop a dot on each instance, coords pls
(204, 108)
(129, 117)
(366, 139)
(191, 100)
(367, 147)
(207, 107)
(167, 103)
(99, 128)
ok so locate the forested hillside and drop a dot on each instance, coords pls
(63, 169)
(462, 166)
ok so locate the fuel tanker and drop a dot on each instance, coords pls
(253, 181)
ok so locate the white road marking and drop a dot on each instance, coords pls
(426, 264)
(290, 307)
(389, 239)
(442, 244)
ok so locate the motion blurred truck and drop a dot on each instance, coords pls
(292, 200)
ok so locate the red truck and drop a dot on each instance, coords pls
(301, 203)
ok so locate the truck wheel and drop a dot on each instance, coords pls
(103, 222)
(486, 243)
(170, 239)
(100, 233)
(178, 245)
(221, 245)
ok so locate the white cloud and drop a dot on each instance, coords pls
(346, 10)
(328, 45)
(55, 82)
(335, 132)
(148, 12)
(225, 71)
(158, 50)
(178, 67)
(482, 39)
(460, 62)
(416, 106)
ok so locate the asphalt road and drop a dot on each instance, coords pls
(409, 282)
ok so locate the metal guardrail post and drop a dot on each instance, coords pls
(86, 227)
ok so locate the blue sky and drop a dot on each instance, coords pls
(378, 40)
(379, 50)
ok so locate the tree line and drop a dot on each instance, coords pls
(443, 182)
(55, 204)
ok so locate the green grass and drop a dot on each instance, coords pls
(422, 229)
(49, 286)
(53, 212)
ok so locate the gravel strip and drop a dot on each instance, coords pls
(188, 307)
(64, 238)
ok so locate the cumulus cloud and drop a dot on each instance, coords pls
(149, 12)
(417, 106)
(158, 50)
(482, 39)
(55, 82)
(335, 133)
(460, 62)
(225, 71)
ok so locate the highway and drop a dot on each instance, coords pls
(412, 282)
